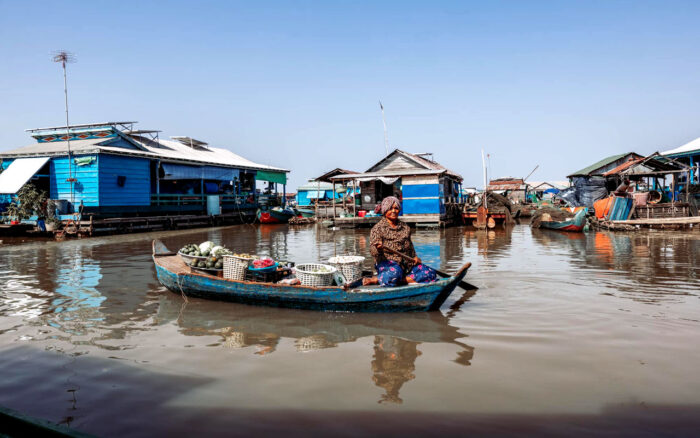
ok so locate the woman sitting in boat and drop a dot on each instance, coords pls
(392, 234)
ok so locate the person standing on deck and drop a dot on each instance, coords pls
(389, 232)
(623, 189)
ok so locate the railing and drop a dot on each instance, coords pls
(198, 199)
(169, 200)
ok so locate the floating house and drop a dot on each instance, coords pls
(322, 189)
(315, 191)
(546, 189)
(429, 192)
(604, 165)
(688, 154)
(109, 170)
(513, 188)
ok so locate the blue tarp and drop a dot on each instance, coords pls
(620, 209)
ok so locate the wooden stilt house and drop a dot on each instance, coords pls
(429, 192)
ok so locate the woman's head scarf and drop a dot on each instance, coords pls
(389, 202)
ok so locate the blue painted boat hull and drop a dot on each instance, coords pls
(176, 276)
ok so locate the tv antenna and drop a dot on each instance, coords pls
(64, 58)
(386, 136)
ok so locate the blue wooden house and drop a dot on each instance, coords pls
(425, 187)
(110, 169)
(315, 191)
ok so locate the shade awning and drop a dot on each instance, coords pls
(19, 172)
(388, 180)
(181, 171)
(275, 177)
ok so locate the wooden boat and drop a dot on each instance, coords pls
(174, 274)
(275, 216)
(305, 212)
(575, 224)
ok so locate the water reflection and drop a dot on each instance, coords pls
(396, 336)
(645, 267)
(490, 244)
(393, 363)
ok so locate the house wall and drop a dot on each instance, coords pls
(6, 199)
(137, 185)
(422, 195)
(303, 196)
(85, 189)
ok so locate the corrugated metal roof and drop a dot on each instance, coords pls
(57, 148)
(318, 185)
(428, 164)
(165, 150)
(599, 164)
(692, 146)
(174, 150)
(561, 185)
(507, 186)
(623, 166)
(644, 165)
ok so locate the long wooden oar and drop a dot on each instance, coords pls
(462, 284)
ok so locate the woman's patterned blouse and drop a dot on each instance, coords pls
(398, 239)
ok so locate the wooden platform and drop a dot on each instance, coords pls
(662, 221)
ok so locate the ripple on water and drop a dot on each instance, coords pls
(561, 323)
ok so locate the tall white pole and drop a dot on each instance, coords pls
(386, 136)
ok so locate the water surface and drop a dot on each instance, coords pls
(568, 334)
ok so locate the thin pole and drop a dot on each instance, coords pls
(70, 160)
(333, 199)
(386, 136)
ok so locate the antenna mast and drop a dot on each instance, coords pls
(66, 57)
(386, 136)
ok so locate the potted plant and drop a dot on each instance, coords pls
(52, 223)
(28, 201)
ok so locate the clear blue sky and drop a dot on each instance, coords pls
(295, 84)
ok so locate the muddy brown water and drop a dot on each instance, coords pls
(568, 334)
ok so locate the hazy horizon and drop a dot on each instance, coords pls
(297, 85)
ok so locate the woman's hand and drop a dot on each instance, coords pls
(379, 246)
(417, 260)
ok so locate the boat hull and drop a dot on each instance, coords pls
(274, 217)
(574, 225)
(177, 277)
(306, 213)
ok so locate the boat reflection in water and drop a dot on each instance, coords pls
(396, 336)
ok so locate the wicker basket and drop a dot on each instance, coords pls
(235, 267)
(349, 266)
(305, 273)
